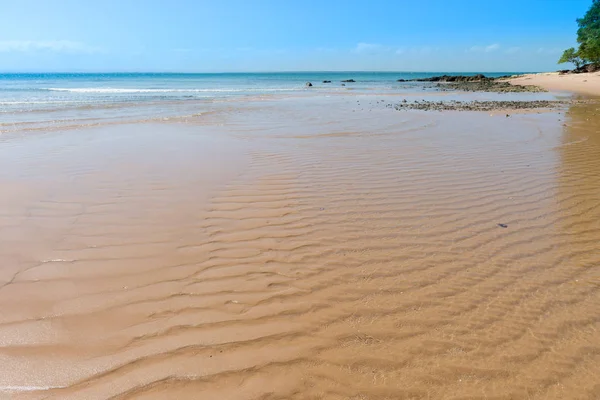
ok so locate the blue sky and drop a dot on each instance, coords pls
(285, 35)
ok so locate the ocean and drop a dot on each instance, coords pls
(38, 100)
(49, 90)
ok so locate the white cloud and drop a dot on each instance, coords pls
(486, 49)
(56, 46)
(492, 47)
(376, 48)
(547, 51)
(370, 48)
(418, 50)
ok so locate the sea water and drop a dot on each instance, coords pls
(38, 100)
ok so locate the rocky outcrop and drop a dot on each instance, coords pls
(454, 105)
(326, 81)
(581, 70)
(308, 84)
(455, 78)
(489, 85)
(475, 83)
(349, 81)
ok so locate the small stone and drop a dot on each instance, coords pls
(503, 225)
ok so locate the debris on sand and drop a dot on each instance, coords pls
(454, 105)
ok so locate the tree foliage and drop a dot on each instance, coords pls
(572, 56)
(588, 37)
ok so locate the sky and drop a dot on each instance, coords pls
(286, 35)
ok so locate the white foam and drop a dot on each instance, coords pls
(27, 388)
(134, 90)
(6, 103)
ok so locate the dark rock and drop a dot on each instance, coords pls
(401, 80)
(349, 80)
(503, 225)
(308, 84)
(488, 85)
(584, 69)
(454, 105)
(326, 81)
(343, 84)
(454, 78)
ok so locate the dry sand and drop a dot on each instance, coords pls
(588, 83)
(335, 252)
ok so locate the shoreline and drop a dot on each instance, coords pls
(251, 247)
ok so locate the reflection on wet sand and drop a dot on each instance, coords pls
(331, 253)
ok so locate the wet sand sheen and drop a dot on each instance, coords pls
(323, 253)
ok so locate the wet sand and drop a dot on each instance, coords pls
(322, 248)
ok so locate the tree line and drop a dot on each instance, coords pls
(588, 37)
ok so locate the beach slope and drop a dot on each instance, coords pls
(587, 83)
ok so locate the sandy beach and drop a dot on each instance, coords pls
(585, 83)
(323, 247)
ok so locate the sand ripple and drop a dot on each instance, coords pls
(347, 255)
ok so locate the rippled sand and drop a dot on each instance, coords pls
(326, 248)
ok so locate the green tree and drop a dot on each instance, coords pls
(588, 34)
(572, 56)
(588, 37)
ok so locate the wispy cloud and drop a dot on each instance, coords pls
(56, 46)
(492, 47)
(418, 50)
(370, 48)
(376, 48)
(486, 49)
(549, 51)
(427, 50)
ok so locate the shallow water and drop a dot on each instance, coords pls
(42, 101)
(320, 246)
